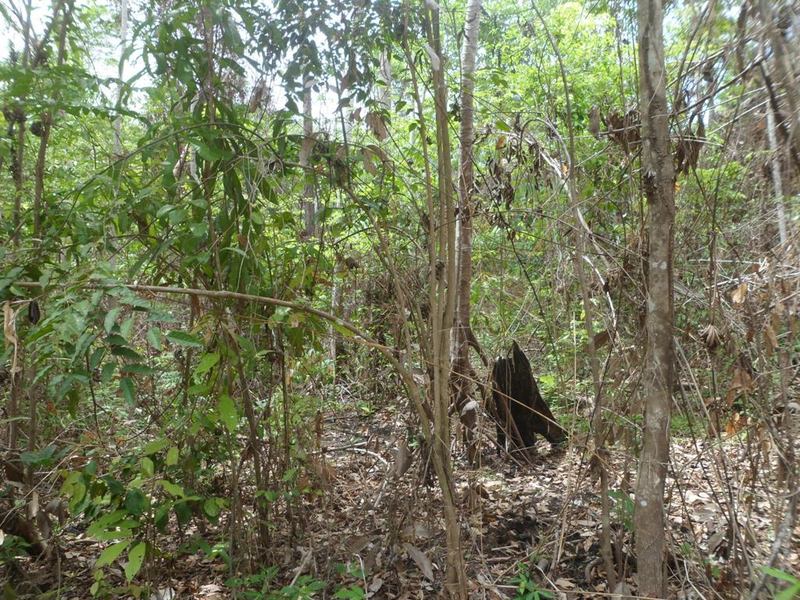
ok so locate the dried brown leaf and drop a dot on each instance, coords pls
(419, 558)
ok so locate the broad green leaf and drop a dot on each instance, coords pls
(172, 488)
(127, 327)
(148, 468)
(38, 457)
(125, 352)
(342, 330)
(138, 369)
(75, 489)
(97, 357)
(108, 371)
(227, 412)
(111, 319)
(135, 502)
(128, 390)
(135, 560)
(155, 446)
(185, 339)
(154, 338)
(104, 522)
(790, 593)
(207, 362)
(110, 554)
(172, 456)
(782, 575)
(211, 507)
(182, 512)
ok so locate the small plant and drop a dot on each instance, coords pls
(258, 586)
(350, 592)
(792, 591)
(623, 507)
(527, 588)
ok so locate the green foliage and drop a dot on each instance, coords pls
(260, 586)
(12, 547)
(623, 508)
(164, 395)
(527, 588)
(791, 590)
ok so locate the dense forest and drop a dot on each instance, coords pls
(400, 299)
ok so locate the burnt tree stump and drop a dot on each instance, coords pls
(517, 407)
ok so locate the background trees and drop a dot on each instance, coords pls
(248, 261)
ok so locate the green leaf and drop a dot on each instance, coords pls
(182, 512)
(135, 560)
(172, 488)
(10, 277)
(135, 502)
(155, 446)
(104, 522)
(138, 369)
(108, 371)
(172, 456)
(185, 339)
(161, 519)
(127, 327)
(75, 489)
(342, 330)
(111, 319)
(227, 412)
(782, 575)
(154, 338)
(207, 362)
(96, 358)
(211, 507)
(128, 390)
(790, 593)
(38, 457)
(125, 352)
(111, 553)
(148, 468)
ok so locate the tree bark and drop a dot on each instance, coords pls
(462, 369)
(123, 40)
(443, 278)
(658, 182)
(782, 69)
(309, 215)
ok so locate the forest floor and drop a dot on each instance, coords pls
(360, 525)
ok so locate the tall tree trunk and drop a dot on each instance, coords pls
(443, 277)
(775, 170)
(658, 181)
(782, 69)
(17, 160)
(309, 213)
(462, 369)
(46, 121)
(123, 40)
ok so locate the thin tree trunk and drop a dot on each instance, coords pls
(658, 182)
(123, 37)
(462, 369)
(17, 164)
(784, 75)
(443, 313)
(309, 215)
(46, 128)
(385, 94)
(775, 168)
